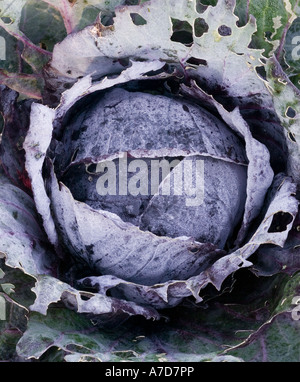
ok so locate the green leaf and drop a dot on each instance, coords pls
(80, 13)
(8, 288)
(292, 52)
(22, 56)
(259, 330)
(42, 24)
(286, 99)
(10, 12)
(277, 340)
(273, 17)
(22, 283)
(100, 50)
(29, 85)
(130, 342)
(12, 328)
(10, 16)
(9, 338)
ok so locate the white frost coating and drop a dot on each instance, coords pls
(21, 237)
(283, 201)
(218, 202)
(111, 246)
(171, 292)
(36, 145)
(84, 86)
(286, 95)
(92, 50)
(50, 290)
(260, 173)
(39, 136)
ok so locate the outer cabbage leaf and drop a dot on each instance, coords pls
(213, 67)
(24, 246)
(104, 47)
(216, 61)
(286, 102)
(18, 297)
(170, 292)
(16, 119)
(36, 146)
(30, 83)
(260, 174)
(81, 342)
(79, 239)
(273, 20)
(261, 329)
(72, 12)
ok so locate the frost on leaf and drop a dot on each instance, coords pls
(23, 243)
(112, 246)
(259, 172)
(37, 145)
(173, 291)
(101, 50)
(286, 103)
(125, 124)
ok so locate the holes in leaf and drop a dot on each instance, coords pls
(200, 27)
(194, 249)
(43, 45)
(224, 30)
(290, 112)
(85, 297)
(106, 19)
(42, 24)
(182, 32)
(125, 62)
(292, 137)
(133, 2)
(280, 222)
(200, 7)
(196, 61)
(137, 19)
(268, 35)
(261, 71)
(7, 20)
